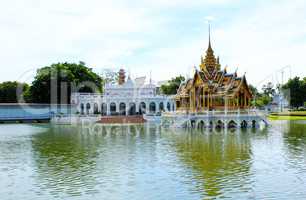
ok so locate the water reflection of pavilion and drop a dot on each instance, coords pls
(217, 160)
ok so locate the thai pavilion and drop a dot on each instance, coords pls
(212, 88)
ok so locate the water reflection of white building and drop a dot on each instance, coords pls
(125, 98)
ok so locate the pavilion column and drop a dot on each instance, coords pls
(126, 109)
(236, 102)
(208, 102)
(147, 107)
(245, 102)
(137, 107)
(107, 108)
(204, 98)
(180, 103)
(211, 100)
(117, 107)
(190, 100)
(194, 99)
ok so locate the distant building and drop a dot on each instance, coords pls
(128, 97)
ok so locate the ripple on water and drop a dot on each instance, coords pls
(62, 162)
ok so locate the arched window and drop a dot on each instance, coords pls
(152, 107)
(161, 106)
(104, 109)
(87, 108)
(82, 108)
(132, 109)
(96, 109)
(142, 108)
(113, 108)
(122, 107)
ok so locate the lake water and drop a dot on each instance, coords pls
(148, 162)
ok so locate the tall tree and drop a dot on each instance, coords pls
(54, 84)
(296, 91)
(172, 85)
(9, 91)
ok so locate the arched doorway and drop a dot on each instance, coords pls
(122, 108)
(87, 108)
(232, 124)
(104, 109)
(82, 108)
(113, 108)
(132, 109)
(96, 109)
(142, 108)
(152, 107)
(201, 124)
(244, 124)
(220, 124)
(211, 124)
(161, 107)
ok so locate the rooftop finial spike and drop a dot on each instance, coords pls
(150, 77)
(209, 45)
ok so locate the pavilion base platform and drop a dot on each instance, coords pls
(134, 119)
(215, 119)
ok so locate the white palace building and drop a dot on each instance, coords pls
(128, 97)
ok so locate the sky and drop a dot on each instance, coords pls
(164, 37)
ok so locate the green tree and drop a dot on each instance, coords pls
(262, 99)
(62, 79)
(172, 85)
(268, 89)
(253, 90)
(296, 91)
(9, 91)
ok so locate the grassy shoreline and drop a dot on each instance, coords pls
(294, 115)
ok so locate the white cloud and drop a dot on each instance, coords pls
(144, 36)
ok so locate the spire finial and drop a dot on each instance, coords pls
(150, 77)
(209, 45)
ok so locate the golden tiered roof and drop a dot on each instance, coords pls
(217, 81)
